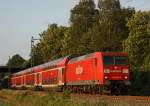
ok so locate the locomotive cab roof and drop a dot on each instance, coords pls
(93, 55)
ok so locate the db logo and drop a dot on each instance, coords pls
(79, 70)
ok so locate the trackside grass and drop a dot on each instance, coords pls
(31, 98)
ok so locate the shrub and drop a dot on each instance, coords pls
(141, 81)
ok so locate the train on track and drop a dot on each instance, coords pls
(98, 72)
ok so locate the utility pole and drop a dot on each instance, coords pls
(32, 51)
(9, 72)
(32, 44)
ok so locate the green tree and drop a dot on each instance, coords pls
(82, 19)
(51, 44)
(138, 42)
(66, 42)
(37, 57)
(27, 63)
(111, 25)
(109, 29)
(16, 61)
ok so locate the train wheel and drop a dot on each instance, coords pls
(115, 91)
(92, 90)
(125, 91)
(38, 88)
(100, 90)
(23, 88)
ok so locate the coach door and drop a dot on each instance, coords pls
(22, 80)
(60, 73)
(38, 79)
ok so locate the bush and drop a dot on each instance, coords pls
(141, 81)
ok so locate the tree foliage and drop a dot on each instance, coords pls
(16, 61)
(112, 24)
(138, 42)
(51, 45)
(27, 64)
(82, 19)
(108, 29)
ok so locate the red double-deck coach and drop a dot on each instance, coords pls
(47, 75)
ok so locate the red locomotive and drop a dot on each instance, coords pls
(99, 72)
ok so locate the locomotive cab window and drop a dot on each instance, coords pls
(115, 60)
(121, 60)
(108, 60)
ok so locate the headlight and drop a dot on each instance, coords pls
(106, 71)
(126, 77)
(125, 71)
(106, 77)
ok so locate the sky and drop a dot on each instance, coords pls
(21, 19)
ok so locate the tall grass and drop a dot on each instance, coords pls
(29, 98)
